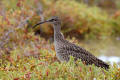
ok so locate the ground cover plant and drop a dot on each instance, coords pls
(26, 56)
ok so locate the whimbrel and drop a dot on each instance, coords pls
(64, 49)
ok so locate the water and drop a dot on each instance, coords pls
(107, 50)
(111, 59)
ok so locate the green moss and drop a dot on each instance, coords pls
(30, 57)
(32, 68)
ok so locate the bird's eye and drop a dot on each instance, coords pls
(52, 20)
(55, 20)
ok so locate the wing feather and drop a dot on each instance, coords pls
(80, 53)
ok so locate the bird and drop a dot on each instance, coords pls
(64, 49)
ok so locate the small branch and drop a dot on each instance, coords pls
(23, 22)
(5, 39)
(40, 11)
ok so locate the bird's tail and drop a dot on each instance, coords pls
(102, 64)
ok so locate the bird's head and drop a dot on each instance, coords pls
(54, 20)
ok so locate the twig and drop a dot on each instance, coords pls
(40, 11)
(24, 22)
(5, 39)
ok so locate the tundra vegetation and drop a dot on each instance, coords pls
(24, 55)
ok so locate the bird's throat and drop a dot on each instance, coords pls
(57, 34)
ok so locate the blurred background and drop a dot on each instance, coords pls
(92, 24)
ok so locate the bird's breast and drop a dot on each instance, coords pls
(58, 54)
(56, 44)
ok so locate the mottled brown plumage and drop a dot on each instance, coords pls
(64, 49)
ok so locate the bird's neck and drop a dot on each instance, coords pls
(57, 33)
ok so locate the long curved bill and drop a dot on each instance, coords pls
(40, 23)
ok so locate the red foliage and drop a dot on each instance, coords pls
(117, 14)
(19, 4)
(16, 78)
(80, 69)
(47, 72)
(36, 1)
(10, 59)
(28, 75)
(25, 31)
(7, 20)
(25, 68)
(32, 52)
(36, 38)
(37, 46)
(18, 57)
(90, 69)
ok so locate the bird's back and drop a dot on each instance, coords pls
(65, 49)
